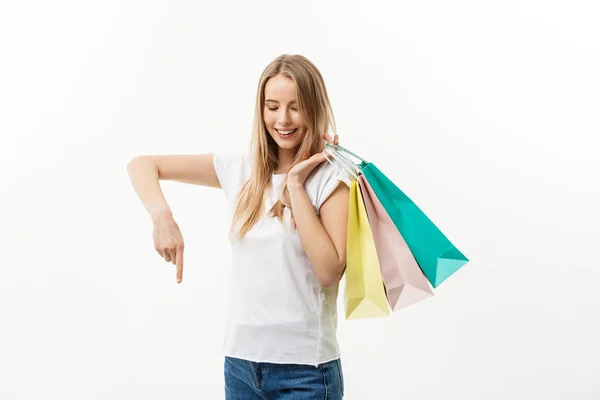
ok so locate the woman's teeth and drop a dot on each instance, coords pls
(286, 133)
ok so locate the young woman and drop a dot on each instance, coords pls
(288, 237)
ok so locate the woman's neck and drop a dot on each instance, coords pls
(285, 160)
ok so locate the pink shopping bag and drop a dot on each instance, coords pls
(403, 279)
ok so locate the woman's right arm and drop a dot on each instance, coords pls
(145, 173)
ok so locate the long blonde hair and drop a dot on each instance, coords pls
(316, 111)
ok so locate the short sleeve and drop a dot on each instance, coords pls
(232, 169)
(320, 185)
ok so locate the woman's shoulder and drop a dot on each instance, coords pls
(323, 181)
(232, 168)
(231, 160)
(232, 156)
(326, 173)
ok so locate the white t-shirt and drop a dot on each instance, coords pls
(279, 312)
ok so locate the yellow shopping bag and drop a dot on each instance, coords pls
(365, 292)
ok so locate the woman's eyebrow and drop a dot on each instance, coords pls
(275, 101)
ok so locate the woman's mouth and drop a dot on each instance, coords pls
(286, 134)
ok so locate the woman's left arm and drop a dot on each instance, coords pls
(324, 241)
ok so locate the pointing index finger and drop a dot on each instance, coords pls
(179, 265)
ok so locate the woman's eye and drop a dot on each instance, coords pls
(275, 109)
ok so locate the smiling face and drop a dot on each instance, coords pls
(281, 116)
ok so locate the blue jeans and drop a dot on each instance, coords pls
(247, 380)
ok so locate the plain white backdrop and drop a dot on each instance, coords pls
(485, 113)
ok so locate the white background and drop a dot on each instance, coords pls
(485, 113)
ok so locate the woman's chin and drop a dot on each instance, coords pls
(288, 145)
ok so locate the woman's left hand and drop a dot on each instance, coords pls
(298, 174)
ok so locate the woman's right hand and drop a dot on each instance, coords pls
(168, 242)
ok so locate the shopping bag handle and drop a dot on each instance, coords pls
(338, 147)
(349, 166)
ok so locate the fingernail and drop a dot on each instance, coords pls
(178, 280)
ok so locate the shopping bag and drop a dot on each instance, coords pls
(435, 254)
(437, 257)
(365, 293)
(404, 281)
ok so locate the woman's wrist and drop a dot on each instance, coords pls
(161, 214)
(294, 184)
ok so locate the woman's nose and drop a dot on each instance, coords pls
(284, 117)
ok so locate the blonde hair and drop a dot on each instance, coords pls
(316, 111)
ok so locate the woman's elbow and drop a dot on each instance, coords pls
(332, 279)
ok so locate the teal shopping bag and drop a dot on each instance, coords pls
(437, 257)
